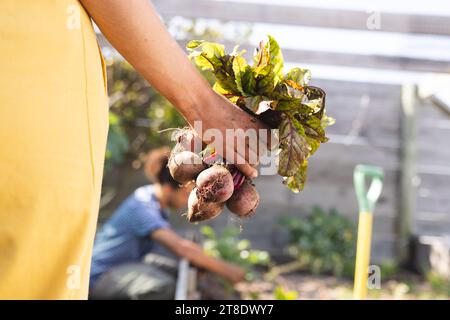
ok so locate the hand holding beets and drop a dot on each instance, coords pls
(217, 184)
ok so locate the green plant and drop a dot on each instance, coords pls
(323, 242)
(283, 101)
(254, 295)
(132, 104)
(438, 283)
(117, 144)
(389, 269)
(229, 247)
(283, 294)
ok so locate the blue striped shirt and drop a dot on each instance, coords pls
(125, 237)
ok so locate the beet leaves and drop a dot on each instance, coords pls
(283, 101)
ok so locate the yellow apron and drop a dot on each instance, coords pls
(53, 128)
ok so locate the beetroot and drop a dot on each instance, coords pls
(200, 211)
(238, 178)
(215, 184)
(244, 200)
(185, 166)
(188, 140)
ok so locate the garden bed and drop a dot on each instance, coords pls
(307, 286)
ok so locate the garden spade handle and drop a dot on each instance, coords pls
(366, 201)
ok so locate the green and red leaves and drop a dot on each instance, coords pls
(209, 56)
(293, 144)
(297, 181)
(285, 102)
(268, 66)
(243, 74)
(299, 76)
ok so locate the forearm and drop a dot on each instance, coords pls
(136, 31)
(194, 253)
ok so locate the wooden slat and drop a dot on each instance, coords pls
(434, 147)
(343, 88)
(304, 16)
(372, 118)
(433, 136)
(367, 61)
(437, 186)
(342, 155)
(349, 59)
(433, 203)
(433, 228)
(343, 59)
(430, 216)
(342, 198)
(329, 185)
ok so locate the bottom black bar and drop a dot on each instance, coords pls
(252, 309)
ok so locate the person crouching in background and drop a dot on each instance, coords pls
(121, 267)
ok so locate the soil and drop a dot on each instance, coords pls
(315, 287)
(211, 287)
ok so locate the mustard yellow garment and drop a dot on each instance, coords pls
(53, 128)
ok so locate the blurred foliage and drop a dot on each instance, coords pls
(438, 283)
(323, 242)
(229, 247)
(209, 30)
(283, 294)
(117, 144)
(137, 114)
(389, 269)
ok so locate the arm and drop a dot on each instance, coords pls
(194, 253)
(136, 31)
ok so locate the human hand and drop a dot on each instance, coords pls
(235, 135)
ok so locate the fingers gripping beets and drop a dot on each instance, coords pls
(217, 183)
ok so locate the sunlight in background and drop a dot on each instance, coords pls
(364, 43)
(430, 7)
(339, 41)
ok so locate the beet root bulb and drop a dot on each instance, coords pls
(188, 140)
(185, 166)
(201, 211)
(244, 200)
(215, 184)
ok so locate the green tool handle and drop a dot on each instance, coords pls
(366, 201)
(367, 198)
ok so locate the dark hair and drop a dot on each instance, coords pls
(156, 167)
